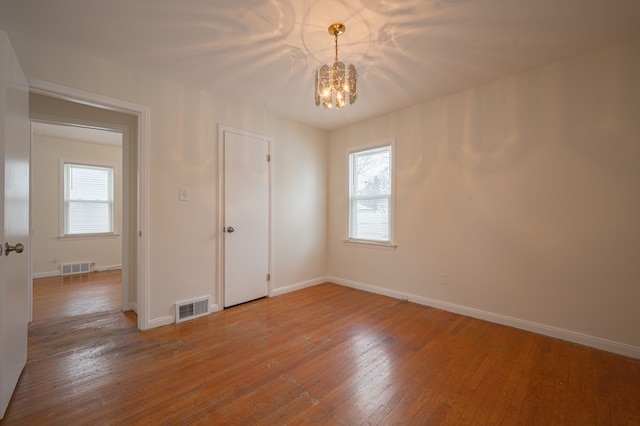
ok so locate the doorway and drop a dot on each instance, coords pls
(245, 216)
(77, 210)
(54, 104)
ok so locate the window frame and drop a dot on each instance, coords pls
(352, 199)
(64, 202)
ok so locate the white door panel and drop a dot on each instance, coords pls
(14, 218)
(246, 218)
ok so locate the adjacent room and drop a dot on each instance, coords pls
(330, 212)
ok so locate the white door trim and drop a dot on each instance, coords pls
(143, 114)
(221, 219)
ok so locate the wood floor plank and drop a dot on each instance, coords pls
(326, 354)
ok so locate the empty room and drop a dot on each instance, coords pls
(320, 212)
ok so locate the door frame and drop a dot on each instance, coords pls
(221, 207)
(143, 114)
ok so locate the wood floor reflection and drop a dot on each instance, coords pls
(323, 355)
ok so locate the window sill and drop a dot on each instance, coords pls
(88, 236)
(372, 244)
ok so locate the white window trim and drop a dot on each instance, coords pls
(389, 245)
(369, 243)
(62, 236)
(88, 236)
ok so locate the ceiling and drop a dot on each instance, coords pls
(77, 133)
(265, 52)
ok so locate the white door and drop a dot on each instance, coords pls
(14, 220)
(246, 217)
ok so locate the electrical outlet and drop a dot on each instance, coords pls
(444, 278)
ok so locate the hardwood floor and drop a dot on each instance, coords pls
(323, 355)
(65, 296)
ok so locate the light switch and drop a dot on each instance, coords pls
(184, 194)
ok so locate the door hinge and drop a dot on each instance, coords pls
(268, 277)
(268, 157)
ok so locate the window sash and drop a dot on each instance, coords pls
(88, 199)
(369, 222)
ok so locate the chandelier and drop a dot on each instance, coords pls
(336, 83)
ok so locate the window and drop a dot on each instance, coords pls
(370, 177)
(88, 199)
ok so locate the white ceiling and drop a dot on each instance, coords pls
(78, 133)
(265, 52)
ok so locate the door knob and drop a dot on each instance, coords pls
(230, 229)
(18, 248)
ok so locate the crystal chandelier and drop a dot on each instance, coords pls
(336, 82)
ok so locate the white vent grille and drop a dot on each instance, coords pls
(191, 309)
(75, 268)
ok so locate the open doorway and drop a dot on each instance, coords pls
(67, 136)
(76, 221)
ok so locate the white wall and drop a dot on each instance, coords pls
(48, 251)
(183, 151)
(525, 191)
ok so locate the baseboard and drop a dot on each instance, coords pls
(133, 306)
(55, 273)
(299, 286)
(368, 288)
(546, 330)
(104, 268)
(159, 322)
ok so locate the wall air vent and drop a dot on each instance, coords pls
(75, 268)
(191, 309)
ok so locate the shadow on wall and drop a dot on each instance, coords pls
(492, 128)
(419, 130)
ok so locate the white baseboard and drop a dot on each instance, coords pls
(159, 322)
(369, 288)
(558, 333)
(133, 306)
(298, 286)
(45, 274)
(56, 272)
(106, 268)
